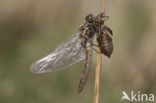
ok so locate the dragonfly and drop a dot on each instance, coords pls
(75, 49)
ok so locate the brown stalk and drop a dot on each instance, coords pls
(97, 77)
(97, 72)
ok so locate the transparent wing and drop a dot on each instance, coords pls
(69, 52)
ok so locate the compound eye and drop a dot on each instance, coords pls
(90, 18)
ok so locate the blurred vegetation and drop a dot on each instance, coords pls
(30, 29)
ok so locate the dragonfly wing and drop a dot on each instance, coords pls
(69, 52)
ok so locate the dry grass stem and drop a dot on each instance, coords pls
(98, 67)
(97, 77)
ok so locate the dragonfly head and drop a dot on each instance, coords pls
(90, 18)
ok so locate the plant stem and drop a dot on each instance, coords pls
(97, 77)
(97, 73)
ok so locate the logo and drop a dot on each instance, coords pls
(137, 97)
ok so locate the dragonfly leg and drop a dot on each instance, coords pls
(106, 17)
(97, 50)
(95, 45)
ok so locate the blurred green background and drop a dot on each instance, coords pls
(31, 29)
